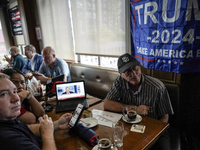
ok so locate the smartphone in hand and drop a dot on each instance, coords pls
(35, 74)
(76, 115)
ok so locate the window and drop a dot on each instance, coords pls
(2, 42)
(56, 27)
(98, 31)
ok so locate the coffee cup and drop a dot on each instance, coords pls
(130, 113)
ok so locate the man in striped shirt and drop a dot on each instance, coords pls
(134, 89)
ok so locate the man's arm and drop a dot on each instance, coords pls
(165, 118)
(118, 107)
(65, 79)
(60, 124)
(26, 69)
(9, 60)
(27, 117)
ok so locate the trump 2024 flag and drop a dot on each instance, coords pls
(166, 34)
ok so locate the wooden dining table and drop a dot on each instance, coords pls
(66, 140)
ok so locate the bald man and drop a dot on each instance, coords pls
(52, 66)
(16, 60)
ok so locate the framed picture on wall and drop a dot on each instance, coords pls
(38, 33)
(15, 21)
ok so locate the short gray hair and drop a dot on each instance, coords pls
(4, 76)
(30, 47)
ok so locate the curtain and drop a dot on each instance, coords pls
(99, 27)
(56, 27)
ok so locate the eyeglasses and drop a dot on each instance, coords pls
(129, 71)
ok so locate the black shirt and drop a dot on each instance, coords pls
(15, 135)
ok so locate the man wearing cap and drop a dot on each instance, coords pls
(145, 93)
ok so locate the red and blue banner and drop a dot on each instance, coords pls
(166, 34)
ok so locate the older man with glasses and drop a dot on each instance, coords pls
(16, 60)
(34, 60)
(147, 94)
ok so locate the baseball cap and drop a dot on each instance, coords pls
(126, 61)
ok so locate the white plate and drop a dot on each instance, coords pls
(96, 148)
(93, 122)
(137, 120)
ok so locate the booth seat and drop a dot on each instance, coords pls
(98, 83)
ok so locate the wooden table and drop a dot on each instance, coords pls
(132, 140)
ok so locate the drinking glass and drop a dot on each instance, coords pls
(104, 141)
(118, 133)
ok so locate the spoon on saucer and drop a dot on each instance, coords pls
(87, 124)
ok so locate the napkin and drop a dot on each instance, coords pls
(85, 133)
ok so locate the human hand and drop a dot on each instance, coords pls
(24, 94)
(40, 76)
(28, 74)
(7, 58)
(46, 127)
(143, 110)
(63, 121)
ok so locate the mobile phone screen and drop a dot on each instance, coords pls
(76, 115)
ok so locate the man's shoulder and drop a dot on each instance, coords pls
(38, 55)
(61, 62)
(119, 81)
(152, 81)
(19, 57)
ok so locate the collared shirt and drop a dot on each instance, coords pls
(18, 62)
(152, 92)
(32, 62)
(15, 134)
(38, 59)
(60, 67)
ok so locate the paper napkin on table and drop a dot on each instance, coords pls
(138, 128)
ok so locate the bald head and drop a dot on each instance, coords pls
(14, 50)
(48, 49)
(49, 56)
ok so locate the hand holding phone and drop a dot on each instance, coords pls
(76, 115)
(35, 74)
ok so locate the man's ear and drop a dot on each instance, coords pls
(120, 73)
(54, 55)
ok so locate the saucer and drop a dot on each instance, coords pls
(137, 120)
(93, 122)
(96, 148)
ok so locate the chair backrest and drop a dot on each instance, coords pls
(173, 90)
(97, 81)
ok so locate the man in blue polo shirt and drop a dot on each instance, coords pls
(16, 60)
(52, 66)
(33, 62)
